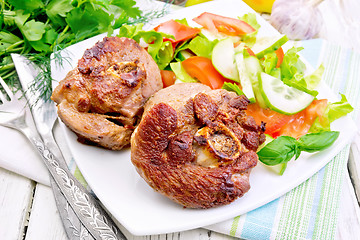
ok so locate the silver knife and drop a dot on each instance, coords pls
(82, 215)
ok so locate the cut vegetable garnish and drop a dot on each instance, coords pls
(265, 45)
(282, 98)
(244, 76)
(223, 59)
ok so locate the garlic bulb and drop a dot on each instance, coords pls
(298, 19)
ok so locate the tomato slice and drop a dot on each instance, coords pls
(302, 121)
(168, 77)
(280, 55)
(180, 31)
(227, 25)
(202, 69)
(296, 125)
(274, 120)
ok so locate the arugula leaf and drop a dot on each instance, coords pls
(284, 148)
(232, 87)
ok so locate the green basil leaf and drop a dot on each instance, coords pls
(280, 150)
(313, 142)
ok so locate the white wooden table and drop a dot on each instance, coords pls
(28, 210)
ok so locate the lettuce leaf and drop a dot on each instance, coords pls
(313, 80)
(332, 112)
(292, 64)
(269, 65)
(162, 52)
(202, 46)
(250, 18)
(180, 72)
(232, 87)
(293, 71)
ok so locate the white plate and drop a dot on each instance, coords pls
(142, 211)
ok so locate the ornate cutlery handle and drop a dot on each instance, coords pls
(87, 209)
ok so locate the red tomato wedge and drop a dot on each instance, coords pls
(296, 125)
(227, 25)
(168, 77)
(280, 55)
(180, 31)
(202, 69)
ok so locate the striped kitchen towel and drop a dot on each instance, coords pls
(310, 211)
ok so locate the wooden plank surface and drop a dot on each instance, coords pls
(44, 222)
(15, 200)
(21, 197)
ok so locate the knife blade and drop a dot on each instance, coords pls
(77, 207)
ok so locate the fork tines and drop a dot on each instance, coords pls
(7, 90)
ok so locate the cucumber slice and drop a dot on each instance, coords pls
(254, 69)
(244, 77)
(265, 45)
(278, 169)
(282, 98)
(223, 59)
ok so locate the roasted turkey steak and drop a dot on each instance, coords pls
(196, 146)
(102, 99)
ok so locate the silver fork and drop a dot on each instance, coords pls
(82, 215)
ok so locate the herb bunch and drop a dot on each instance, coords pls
(37, 28)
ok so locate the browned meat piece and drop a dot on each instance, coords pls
(102, 99)
(196, 145)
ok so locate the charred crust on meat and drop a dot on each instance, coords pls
(199, 151)
(205, 109)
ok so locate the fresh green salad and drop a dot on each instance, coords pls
(227, 53)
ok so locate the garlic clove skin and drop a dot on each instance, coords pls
(298, 19)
